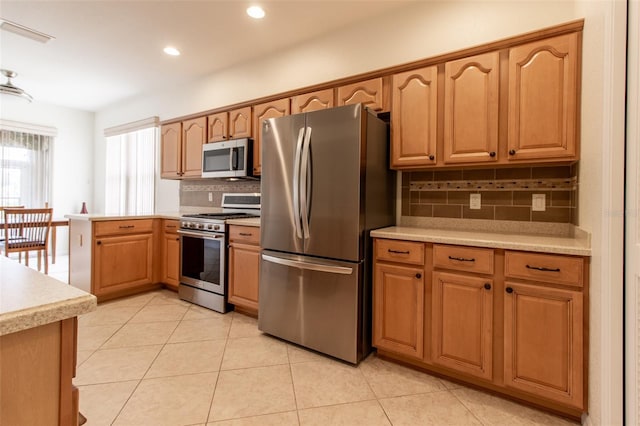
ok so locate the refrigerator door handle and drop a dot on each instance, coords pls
(308, 265)
(296, 184)
(305, 197)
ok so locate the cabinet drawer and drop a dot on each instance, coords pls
(170, 226)
(460, 258)
(550, 268)
(245, 234)
(119, 227)
(400, 251)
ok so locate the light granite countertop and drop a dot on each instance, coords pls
(577, 244)
(252, 221)
(164, 215)
(30, 299)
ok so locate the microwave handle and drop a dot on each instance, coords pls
(233, 159)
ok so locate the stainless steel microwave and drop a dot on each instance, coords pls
(229, 159)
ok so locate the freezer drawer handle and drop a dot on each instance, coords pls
(543, 269)
(306, 265)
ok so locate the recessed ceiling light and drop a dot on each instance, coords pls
(171, 51)
(256, 12)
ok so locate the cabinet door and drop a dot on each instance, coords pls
(194, 135)
(321, 99)
(244, 274)
(398, 309)
(414, 115)
(217, 127)
(543, 97)
(170, 151)
(471, 109)
(262, 112)
(543, 341)
(122, 263)
(462, 334)
(171, 260)
(240, 123)
(369, 92)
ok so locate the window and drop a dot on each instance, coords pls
(130, 168)
(25, 168)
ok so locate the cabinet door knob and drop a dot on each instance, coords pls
(178, 239)
(487, 286)
(512, 152)
(509, 290)
(98, 242)
(432, 157)
(418, 275)
(492, 154)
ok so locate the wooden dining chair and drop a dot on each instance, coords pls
(27, 230)
(2, 228)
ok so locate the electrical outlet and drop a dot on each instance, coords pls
(211, 197)
(538, 202)
(474, 202)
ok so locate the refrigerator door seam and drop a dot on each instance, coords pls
(296, 184)
(308, 265)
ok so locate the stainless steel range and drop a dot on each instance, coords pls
(203, 246)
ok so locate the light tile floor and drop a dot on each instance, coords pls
(152, 359)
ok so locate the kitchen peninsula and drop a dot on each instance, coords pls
(38, 346)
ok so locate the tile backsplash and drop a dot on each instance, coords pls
(195, 193)
(506, 194)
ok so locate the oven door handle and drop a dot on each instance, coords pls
(203, 235)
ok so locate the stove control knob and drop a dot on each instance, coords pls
(200, 226)
(216, 228)
(209, 226)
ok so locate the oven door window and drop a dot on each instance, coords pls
(216, 160)
(202, 263)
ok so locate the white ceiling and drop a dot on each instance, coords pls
(107, 51)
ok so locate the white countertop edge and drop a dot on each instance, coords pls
(534, 243)
(252, 221)
(45, 314)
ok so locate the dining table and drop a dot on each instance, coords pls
(55, 223)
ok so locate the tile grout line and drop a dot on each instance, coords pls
(215, 387)
(467, 407)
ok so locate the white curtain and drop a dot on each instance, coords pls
(130, 172)
(25, 169)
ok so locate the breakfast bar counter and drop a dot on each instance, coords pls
(38, 334)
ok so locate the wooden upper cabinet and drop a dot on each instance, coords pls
(414, 115)
(194, 135)
(217, 125)
(240, 123)
(321, 99)
(170, 151)
(371, 93)
(543, 98)
(462, 313)
(273, 109)
(543, 342)
(471, 98)
(235, 124)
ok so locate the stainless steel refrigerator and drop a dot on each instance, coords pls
(325, 184)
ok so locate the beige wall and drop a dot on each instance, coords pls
(424, 29)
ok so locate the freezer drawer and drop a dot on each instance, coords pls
(312, 302)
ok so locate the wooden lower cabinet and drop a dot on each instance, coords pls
(543, 342)
(244, 267)
(170, 275)
(122, 262)
(37, 366)
(512, 322)
(398, 297)
(462, 321)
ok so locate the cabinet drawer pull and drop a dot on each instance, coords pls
(245, 234)
(543, 269)
(398, 251)
(418, 275)
(171, 226)
(487, 286)
(509, 290)
(462, 259)
(126, 226)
